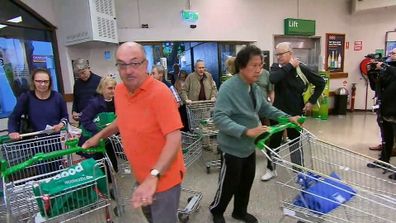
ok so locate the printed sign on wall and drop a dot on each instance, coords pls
(358, 45)
(335, 51)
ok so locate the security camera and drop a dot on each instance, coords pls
(193, 26)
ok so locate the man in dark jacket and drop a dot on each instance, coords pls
(387, 92)
(290, 85)
(84, 87)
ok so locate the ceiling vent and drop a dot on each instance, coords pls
(88, 21)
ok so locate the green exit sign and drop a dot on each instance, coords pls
(299, 27)
(189, 16)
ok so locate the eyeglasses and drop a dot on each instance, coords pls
(392, 53)
(124, 66)
(42, 81)
(280, 54)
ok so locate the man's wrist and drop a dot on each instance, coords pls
(155, 173)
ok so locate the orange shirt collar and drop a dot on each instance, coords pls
(143, 87)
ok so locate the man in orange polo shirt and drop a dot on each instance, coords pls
(149, 122)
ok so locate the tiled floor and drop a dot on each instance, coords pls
(356, 131)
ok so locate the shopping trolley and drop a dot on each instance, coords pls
(15, 152)
(192, 151)
(190, 199)
(200, 121)
(333, 184)
(25, 200)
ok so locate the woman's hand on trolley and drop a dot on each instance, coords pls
(58, 127)
(144, 193)
(254, 132)
(14, 136)
(294, 119)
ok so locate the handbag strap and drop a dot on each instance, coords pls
(302, 75)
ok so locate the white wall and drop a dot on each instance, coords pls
(247, 20)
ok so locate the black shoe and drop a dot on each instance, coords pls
(392, 176)
(377, 164)
(248, 218)
(218, 218)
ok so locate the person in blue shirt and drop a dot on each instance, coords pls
(84, 88)
(42, 105)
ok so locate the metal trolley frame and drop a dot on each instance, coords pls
(20, 178)
(373, 195)
(200, 115)
(192, 151)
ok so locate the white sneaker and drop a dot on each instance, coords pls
(269, 174)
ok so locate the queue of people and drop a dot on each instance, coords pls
(247, 103)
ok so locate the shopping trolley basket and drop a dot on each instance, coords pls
(192, 151)
(26, 200)
(15, 152)
(200, 120)
(190, 199)
(332, 184)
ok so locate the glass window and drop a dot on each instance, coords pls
(26, 43)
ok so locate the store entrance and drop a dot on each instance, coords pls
(184, 53)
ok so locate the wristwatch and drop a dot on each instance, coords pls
(155, 173)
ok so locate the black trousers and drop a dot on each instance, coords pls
(184, 118)
(380, 125)
(235, 179)
(275, 142)
(389, 134)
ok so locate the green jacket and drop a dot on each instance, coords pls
(264, 83)
(191, 88)
(234, 114)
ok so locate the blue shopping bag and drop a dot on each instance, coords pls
(322, 195)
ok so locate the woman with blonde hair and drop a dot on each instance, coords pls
(99, 107)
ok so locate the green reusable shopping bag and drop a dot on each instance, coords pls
(102, 120)
(73, 188)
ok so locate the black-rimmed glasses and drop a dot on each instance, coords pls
(124, 66)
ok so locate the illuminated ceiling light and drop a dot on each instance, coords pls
(2, 26)
(16, 19)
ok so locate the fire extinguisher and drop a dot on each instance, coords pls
(353, 95)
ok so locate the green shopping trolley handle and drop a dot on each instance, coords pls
(284, 123)
(38, 157)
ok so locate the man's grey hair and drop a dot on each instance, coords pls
(285, 46)
(159, 68)
(198, 61)
(80, 64)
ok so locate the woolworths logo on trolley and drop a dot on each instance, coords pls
(69, 172)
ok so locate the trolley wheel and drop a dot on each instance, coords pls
(183, 218)
(208, 169)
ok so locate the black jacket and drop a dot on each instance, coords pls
(289, 87)
(83, 91)
(387, 86)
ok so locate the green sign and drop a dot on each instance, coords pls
(189, 16)
(299, 27)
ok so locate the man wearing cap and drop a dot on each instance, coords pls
(84, 87)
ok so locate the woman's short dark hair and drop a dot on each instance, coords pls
(40, 70)
(245, 54)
